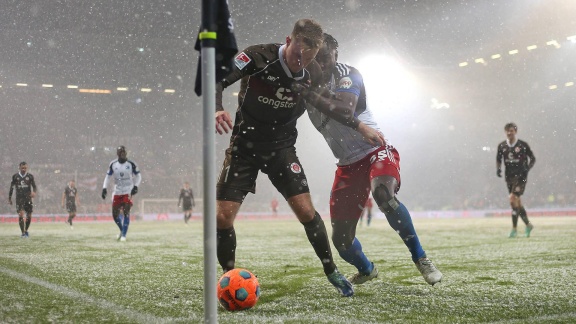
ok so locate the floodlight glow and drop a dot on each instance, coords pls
(387, 83)
(553, 43)
(569, 84)
(553, 87)
(47, 85)
(572, 38)
(235, 94)
(480, 61)
(146, 90)
(21, 84)
(72, 86)
(463, 64)
(512, 52)
(121, 89)
(169, 90)
(531, 47)
(496, 56)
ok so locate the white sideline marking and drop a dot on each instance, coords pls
(133, 315)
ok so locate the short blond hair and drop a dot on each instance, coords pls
(310, 31)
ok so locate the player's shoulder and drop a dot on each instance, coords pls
(267, 51)
(502, 144)
(523, 143)
(343, 70)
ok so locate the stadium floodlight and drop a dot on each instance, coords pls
(553, 43)
(480, 61)
(495, 56)
(569, 84)
(532, 47)
(46, 85)
(146, 90)
(169, 90)
(553, 87)
(512, 52)
(463, 64)
(21, 84)
(389, 82)
(70, 86)
(97, 91)
(122, 89)
(572, 38)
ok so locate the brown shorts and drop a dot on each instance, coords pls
(516, 184)
(240, 170)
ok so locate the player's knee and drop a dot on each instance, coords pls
(385, 199)
(342, 241)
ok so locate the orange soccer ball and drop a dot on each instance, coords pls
(238, 289)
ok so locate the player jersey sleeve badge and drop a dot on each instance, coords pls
(241, 60)
(345, 83)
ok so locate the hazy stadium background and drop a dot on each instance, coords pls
(448, 153)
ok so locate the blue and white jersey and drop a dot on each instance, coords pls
(126, 175)
(347, 145)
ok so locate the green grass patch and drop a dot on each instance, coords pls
(84, 275)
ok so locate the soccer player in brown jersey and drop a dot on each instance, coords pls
(70, 201)
(26, 190)
(186, 200)
(263, 138)
(518, 160)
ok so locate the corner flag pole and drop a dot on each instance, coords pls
(208, 54)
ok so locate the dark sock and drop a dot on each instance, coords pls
(318, 237)
(522, 213)
(226, 248)
(514, 217)
(21, 223)
(28, 221)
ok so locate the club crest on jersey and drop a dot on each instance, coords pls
(345, 83)
(517, 149)
(304, 183)
(295, 167)
(241, 60)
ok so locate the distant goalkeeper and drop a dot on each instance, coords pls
(186, 200)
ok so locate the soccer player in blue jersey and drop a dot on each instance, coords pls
(363, 167)
(127, 178)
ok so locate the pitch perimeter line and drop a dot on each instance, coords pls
(133, 315)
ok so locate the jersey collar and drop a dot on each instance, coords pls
(511, 144)
(285, 67)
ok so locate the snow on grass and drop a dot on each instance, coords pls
(158, 274)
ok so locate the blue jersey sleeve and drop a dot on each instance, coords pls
(352, 82)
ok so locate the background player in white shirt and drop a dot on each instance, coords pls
(126, 181)
(364, 166)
